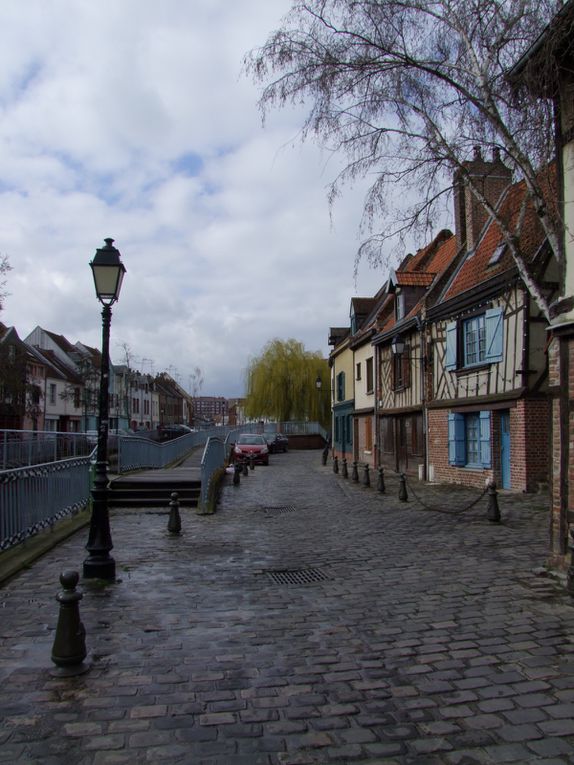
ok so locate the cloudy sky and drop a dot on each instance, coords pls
(132, 119)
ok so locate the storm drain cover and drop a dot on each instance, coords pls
(280, 509)
(297, 576)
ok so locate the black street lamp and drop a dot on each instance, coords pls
(397, 346)
(108, 272)
(319, 383)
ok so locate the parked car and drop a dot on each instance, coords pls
(276, 442)
(167, 432)
(251, 445)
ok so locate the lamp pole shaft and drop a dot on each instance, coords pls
(99, 563)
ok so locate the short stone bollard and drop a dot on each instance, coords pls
(236, 474)
(403, 493)
(355, 472)
(69, 648)
(251, 462)
(345, 468)
(493, 512)
(174, 522)
(335, 464)
(245, 469)
(381, 481)
(366, 475)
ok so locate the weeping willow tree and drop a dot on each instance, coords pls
(282, 384)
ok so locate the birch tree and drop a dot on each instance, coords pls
(405, 89)
(4, 268)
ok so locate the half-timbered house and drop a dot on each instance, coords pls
(488, 412)
(402, 361)
(363, 314)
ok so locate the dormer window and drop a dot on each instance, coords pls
(497, 254)
(399, 304)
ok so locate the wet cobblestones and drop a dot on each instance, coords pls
(429, 637)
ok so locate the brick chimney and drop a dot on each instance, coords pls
(492, 179)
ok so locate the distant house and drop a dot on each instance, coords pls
(22, 383)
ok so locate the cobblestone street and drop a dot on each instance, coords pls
(310, 620)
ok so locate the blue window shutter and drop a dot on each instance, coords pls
(456, 439)
(485, 451)
(493, 324)
(451, 345)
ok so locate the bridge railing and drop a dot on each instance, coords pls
(20, 448)
(34, 497)
(302, 429)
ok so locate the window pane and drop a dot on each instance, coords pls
(472, 439)
(474, 340)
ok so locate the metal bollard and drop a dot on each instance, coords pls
(345, 468)
(236, 474)
(245, 469)
(69, 648)
(251, 462)
(355, 472)
(366, 476)
(381, 481)
(403, 494)
(335, 464)
(570, 571)
(174, 523)
(325, 455)
(493, 513)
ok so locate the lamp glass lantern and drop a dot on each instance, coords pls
(397, 346)
(318, 382)
(108, 272)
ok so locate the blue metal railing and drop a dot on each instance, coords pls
(35, 497)
(135, 453)
(19, 448)
(302, 429)
(213, 459)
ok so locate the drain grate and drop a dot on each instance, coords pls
(297, 576)
(280, 509)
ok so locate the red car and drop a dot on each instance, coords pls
(251, 445)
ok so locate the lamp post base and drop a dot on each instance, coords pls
(102, 567)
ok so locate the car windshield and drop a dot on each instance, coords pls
(251, 440)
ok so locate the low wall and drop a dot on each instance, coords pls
(314, 441)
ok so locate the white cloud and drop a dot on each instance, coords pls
(133, 120)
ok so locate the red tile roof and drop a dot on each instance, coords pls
(478, 266)
(409, 279)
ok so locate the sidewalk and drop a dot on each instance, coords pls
(310, 620)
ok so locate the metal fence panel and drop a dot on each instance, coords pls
(35, 497)
(20, 448)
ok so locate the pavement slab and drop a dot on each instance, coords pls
(310, 620)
